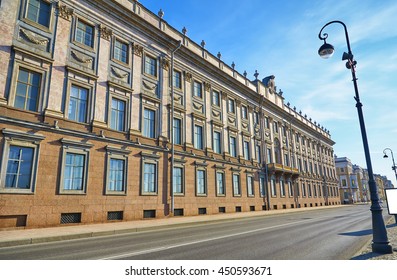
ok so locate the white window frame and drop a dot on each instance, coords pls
(238, 187)
(250, 186)
(154, 161)
(118, 154)
(79, 148)
(20, 139)
(201, 169)
(218, 193)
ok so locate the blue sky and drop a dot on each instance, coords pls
(280, 37)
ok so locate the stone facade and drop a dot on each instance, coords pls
(85, 126)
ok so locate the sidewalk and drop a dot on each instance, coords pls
(33, 236)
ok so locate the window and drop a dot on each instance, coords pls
(233, 146)
(217, 142)
(258, 153)
(78, 104)
(344, 182)
(197, 89)
(216, 98)
(275, 127)
(244, 112)
(286, 160)
(120, 51)
(250, 186)
(74, 174)
(84, 34)
(309, 190)
(177, 79)
(282, 187)
(118, 114)
(149, 178)
(150, 65)
(267, 125)
(273, 186)
(230, 106)
(149, 123)
(27, 90)
(247, 150)
(262, 186)
(177, 131)
(220, 186)
(236, 185)
(39, 11)
(290, 189)
(200, 182)
(256, 118)
(198, 137)
(178, 180)
(116, 175)
(269, 155)
(303, 190)
(20, 164)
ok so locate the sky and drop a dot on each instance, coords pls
(280, 38)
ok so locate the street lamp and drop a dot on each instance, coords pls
(380, 242)
(392, 157)
(393, 167)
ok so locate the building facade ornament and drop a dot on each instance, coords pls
(106, 33)
(138, 50)
(65, 12)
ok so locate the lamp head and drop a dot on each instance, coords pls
(385, 156)
(326, 50)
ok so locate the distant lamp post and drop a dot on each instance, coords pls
(380, 242)
(393, 167)
(392, 158)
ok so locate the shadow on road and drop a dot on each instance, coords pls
(357, 233)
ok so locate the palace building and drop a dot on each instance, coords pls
(104, 106)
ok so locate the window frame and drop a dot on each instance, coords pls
(25, 18)
(218, 192)
(216, 101)
(198, 94)
(117, 154)
(244, 112)
(198, 143)
(127, 52)
(233, 152)
(250, 186)
(150, 65)
(30, 71)
(273, 187)
(20, 139)
(236, 194)
(182, 168)
(217, 148)
(88, 105)
(180, 140)
(144, 134)
(175, 79)
(204, 179)
(231, 106)
(143, 192)
(247, 150)
(125, 116)
(93, 35)
(78, 148)
(262, 186)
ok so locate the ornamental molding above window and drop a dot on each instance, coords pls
(11, 134)
(76, 144)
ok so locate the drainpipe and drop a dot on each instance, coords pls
(172, 126)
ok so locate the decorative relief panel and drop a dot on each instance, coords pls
(33, 38)
(138, 50)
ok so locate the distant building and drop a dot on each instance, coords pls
(86, 123)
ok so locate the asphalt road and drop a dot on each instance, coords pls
(323, 234)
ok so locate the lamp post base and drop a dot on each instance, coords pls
(382, 248)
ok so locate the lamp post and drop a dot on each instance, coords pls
(392, 158)
(380, 242)
(393, 167)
